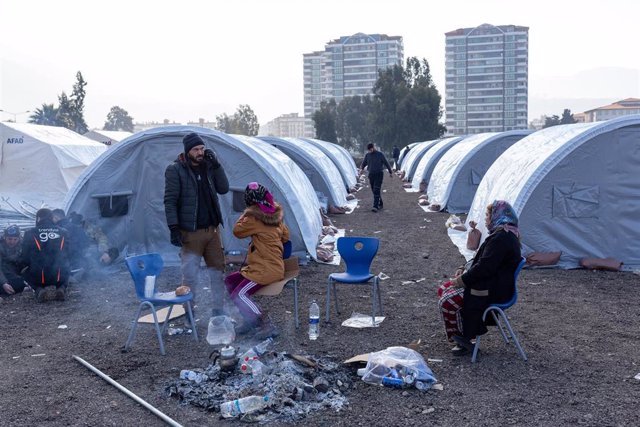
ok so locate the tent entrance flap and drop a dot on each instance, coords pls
(113, 204)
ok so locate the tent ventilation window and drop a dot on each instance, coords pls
(113, 204)
(576, 201)
(238, 200)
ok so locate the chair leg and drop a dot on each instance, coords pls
(166, 321)
(328, 302)
(515, 338)
(475, 350)
(132, 334)
(335, 297)
(295, 301)
(157, 326)
(191, 319)
(374, 301)
(499, 323)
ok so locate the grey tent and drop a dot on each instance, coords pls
(430, 159)
(456, 176)
(321, 171)
(123, 191)
(340, 157)
(575, 188)
(412, 159)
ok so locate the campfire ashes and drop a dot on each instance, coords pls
(295, 385)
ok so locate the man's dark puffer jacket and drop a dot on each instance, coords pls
(181, 192)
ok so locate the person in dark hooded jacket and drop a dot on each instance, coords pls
(44, 251)
(192, 209)
(11, 280)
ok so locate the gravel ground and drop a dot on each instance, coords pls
(579, 334)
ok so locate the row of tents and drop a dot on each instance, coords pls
(576, 188)
(121, 188)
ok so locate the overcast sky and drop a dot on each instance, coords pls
(182, 60)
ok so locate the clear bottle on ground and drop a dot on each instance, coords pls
(314, 321)
(246, 405)
(196, 377)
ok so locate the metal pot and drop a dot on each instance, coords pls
(226, 357)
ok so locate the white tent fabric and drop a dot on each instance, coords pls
(340, 157)
(107, 137)
(412, 159)
(575, 189)
(430, 159)
(456, 176)
(39, 164)
(321, 171)
(134, 170)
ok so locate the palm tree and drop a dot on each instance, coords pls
(46, 115)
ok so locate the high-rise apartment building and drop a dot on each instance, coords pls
(348, 66)
(486, 79)
(285, 125)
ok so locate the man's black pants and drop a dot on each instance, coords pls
(375, 180)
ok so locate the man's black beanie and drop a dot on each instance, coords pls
(191, 140)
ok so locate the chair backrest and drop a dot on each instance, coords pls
(141, 266)
(514, 298)
(358, 253)
(287, 248)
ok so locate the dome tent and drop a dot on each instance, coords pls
(39, 164)
(132, 174)
(341, 158)
(575, 189)
(456, 176)
(430, 159)
(414, 156)
(321, 171)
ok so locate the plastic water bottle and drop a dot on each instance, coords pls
(246, 405)
(197, 377)
(257, 370)
(314, 321)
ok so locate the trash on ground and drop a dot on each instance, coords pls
(179, 331)
(62, 326)
(437, 386)
(398, 367)
(407, 282)
(109, 327)
(382, 276)
(435, 360)
(359, 320)
(376, 232)
(38, 355)
(422, 279)
(637, 377)
(415, 344)
(15, 357)
(280, 387)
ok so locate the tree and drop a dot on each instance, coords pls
(45, 115)
(243, 122)
(76, 113)
(324, 121)
(65, 113)
(118, 119)
(352, 122)
(551, 121)
(246, 121)
(567, 117)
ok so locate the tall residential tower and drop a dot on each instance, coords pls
(348, 66)
(486, 79)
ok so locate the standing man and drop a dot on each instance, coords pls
(396, 156)
(192, 185)
(376, 162)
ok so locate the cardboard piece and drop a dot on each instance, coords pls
(291, 271)
(360, 358)
(178, 310)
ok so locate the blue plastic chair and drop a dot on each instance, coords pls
(499, 315)
(140, 267)
(357, 253)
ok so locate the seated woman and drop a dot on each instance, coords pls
(488, 280)
(262, 221)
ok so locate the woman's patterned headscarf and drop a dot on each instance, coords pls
(503, 217)
(257, 194)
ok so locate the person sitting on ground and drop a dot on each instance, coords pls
(262, 221)
(99, 250)
(489, 279)
(11, 281)
(78, 239)
(44, 251)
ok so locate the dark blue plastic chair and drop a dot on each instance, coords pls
(357, 253)
(500, 317)
(140, 267)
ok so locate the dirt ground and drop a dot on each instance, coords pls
(580, 329)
